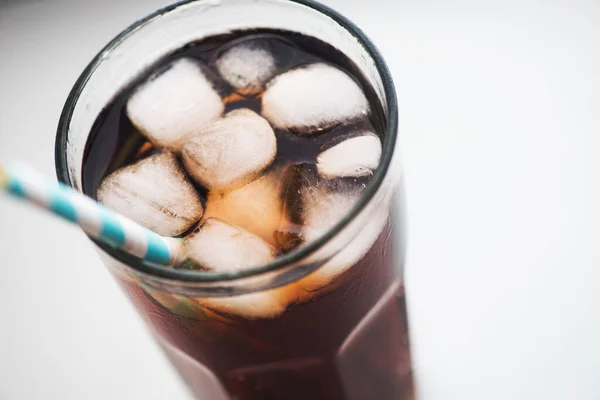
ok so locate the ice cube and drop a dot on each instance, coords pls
(231, 151)
(266, 304)
(324, 207)
(324, 278)
(155, 193)
(256, 207)
(247, 66)
(218, 246)
(175, 103)
(354, 157)
(317, 204)
(313, 98)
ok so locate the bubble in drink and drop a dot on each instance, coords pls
(218, 246)
(248, 65)
(231, 151)
(256, 207)
(154, 192)
(313, 98)
(354, 157)
(175, 103)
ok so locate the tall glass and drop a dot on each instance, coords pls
(306, 333)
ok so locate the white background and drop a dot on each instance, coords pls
(500, 124)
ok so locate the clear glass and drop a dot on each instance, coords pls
(289, 329)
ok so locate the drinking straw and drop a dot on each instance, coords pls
(96, 220)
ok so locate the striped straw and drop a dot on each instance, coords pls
(96, 220)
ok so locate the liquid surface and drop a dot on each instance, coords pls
(115, 142)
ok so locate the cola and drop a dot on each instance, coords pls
(339, 333)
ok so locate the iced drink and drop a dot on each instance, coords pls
(252, 146)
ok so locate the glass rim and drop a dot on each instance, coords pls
(295, 256)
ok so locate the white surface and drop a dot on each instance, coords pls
(499, 117)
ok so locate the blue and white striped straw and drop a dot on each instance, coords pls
(96, 220)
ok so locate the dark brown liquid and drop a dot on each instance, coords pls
(115, 142)
(348, 343)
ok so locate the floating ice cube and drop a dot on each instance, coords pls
(321, 204)
(265, 304)
(323, 279)
(247, 66)
(324, 207)
(256, 207)
(175, 103)
(354, 157)
(231, 151)
(218, 246)
(313, 98)
(155, 193)
(317, 204)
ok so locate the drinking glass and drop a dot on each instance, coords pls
(305, 332)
